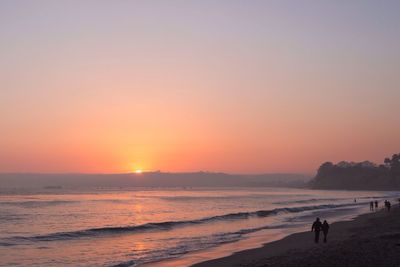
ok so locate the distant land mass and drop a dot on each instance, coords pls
(359, 175)
(150, 179)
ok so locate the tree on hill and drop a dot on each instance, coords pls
(359, 175)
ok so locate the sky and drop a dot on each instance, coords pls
(230, 86)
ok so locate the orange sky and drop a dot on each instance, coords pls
(248, 88)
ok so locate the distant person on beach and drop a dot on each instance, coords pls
(376, 204)
(316, 227)
(355, 200)
(388, 205)
(371, 205)
(325, 230)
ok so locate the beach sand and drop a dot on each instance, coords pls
(371, 239)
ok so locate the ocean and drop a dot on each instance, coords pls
(130, 227)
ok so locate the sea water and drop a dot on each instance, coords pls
(130, 227)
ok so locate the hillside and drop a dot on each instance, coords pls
(151, 179)
(359, 175)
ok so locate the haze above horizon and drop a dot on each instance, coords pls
(178, 86)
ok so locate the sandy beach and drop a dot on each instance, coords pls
(371, 239)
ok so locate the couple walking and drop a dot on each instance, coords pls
(318, 227)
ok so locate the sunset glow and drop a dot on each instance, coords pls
(217, 86)
(199, 133)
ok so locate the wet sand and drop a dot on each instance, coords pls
(371, 239)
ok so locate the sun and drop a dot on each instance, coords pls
(138, 171)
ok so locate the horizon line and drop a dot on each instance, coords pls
(157, 171)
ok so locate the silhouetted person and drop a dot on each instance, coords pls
(355, 200)
(371, 205)
(388, 205)
(376, 204)
(316, 227)
(325, 230)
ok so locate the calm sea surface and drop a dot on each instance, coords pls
(132, 227)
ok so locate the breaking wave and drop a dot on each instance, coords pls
(160, 226)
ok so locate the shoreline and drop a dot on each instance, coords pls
(262, 238)
(371, 239)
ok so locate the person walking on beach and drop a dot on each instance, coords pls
(325, 230)
(371, 205)
(316, 227)
(376, 204)
(388, 205)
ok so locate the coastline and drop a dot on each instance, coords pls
(371, 239)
